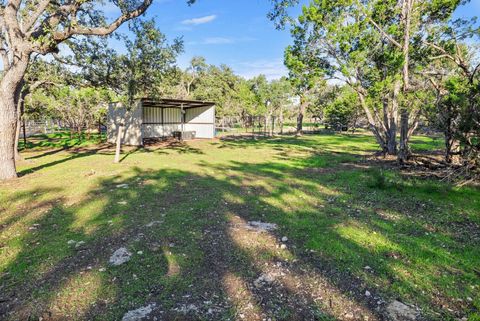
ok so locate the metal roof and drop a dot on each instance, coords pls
(175, 103)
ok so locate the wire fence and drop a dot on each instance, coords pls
(35, 127)
(45, 127)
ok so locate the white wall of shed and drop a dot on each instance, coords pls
(201, 120)
(156, 131)
(132, 134)
(201, 130)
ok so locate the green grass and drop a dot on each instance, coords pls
(420, 238)
(60, 140)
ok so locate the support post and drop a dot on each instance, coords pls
(119, 143)
(182, 120)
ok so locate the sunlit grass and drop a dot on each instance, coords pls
(418, 237)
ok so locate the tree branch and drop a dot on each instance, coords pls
(102, 31)
(35, 15)
(377, 26)
(10, 20)
(386, 35)
(459, 62)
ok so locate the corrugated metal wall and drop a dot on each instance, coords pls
(172, 115)
(200, 120)
(152, 115)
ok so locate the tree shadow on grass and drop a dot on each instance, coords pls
(195, 257)
(47, 153)
(185, 257)
(413, 249)
(106, 149)
(74, 154)
(25, 202)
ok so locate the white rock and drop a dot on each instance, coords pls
(120, 256)
(398, 311)
(284, 239)
(283, 246)
(261, 226)
(153, 223)
(264, 278)
(71, 242)
(138, 314)
(122, 186)
(367, 293)
(140, 252)
(186, 309)
(79, 244)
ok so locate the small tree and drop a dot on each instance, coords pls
(303, 77)
(342, 111)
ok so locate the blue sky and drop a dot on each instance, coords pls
(236, 33)
(233, 32)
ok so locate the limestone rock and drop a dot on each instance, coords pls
(120, 256)
(398, 311)
(138, 314)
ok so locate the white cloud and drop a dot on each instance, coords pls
(217, 41)
(272, 69)
(220, 41)
(199, 21)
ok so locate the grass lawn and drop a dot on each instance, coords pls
(357, 235)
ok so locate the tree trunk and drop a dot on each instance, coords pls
(24, 133)
(99, 128)
(281, 120)
(301, 113)
(404, 150)
(10, 88)
(20, 110)
(452, 145)
(268, 124)
(371, 122)
(119, 144)
(272, 128)
(8, 129)
(88, 130)
(17, 138)
(391, 121)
